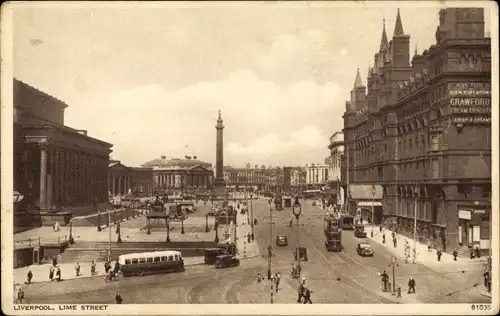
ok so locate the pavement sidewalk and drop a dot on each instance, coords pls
(425, 257)
(68, 272)
(245, 249)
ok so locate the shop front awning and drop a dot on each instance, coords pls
(370, 204)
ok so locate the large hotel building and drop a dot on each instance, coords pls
(422, 132)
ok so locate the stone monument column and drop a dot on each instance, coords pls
(219, 184)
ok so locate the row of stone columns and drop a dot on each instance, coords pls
(69, 177)
(119, 184)
(175, 180)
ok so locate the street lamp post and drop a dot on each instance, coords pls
(206, 223)
(98, 220)
(393, 264)
(297, 210)
(71, 240)
(373, 207)
(109, 241)
(118, 228)
(415, 222)
(251, 217)
(167, 221)
(182, 224)
(270, 248)
(216, 226)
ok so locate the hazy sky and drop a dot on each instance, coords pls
(150, 80)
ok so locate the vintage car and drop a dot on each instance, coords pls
(364, 249)
(288, 201)
(359, 231)
(211, 254)
(225, 261)
(302, 253)
(281, 240)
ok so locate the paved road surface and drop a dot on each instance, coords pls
(359, 281)
(198, 284)
(334, 277)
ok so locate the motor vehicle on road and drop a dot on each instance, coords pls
(359, 231)
(281, 240)
(226, 261)
(151, 262)
(364, 249)
(212, 253)
(302, 251)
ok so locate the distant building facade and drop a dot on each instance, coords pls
(188, 175)
(316, 175)
(123, 180)
(422, 131)
(336, 147)
(298, 176)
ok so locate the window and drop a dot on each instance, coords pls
(157, 259)
(484, 229)
(170, 258)
(164, 258)
(127, 261)
(149, 260)
(176, 257)
(135, 260)
(142, 260)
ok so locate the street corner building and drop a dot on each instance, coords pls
(421, 133)
(60, 171)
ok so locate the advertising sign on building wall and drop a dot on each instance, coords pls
(470, 103)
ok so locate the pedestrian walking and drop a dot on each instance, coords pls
(471, 252)
(486, 278)
(107, 267)
(477, 252)
(278, 279)
(411, 286)
(439, 254)
(395, 242)
(92, 268)
(307, 296)
(300, 293)
(51, 273)
(385, 280)
(383, 239)
(429, 246)
(77, 269)
(455, 254)
(118, 298)
(58, 274)
(54, 261)
(53, 226)
(20, 295)
(29, 277)
(380, 229)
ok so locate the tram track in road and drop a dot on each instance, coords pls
(345, 280)
(212, 286)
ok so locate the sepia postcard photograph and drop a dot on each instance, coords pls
(249, 158)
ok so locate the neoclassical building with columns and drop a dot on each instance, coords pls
(56, 167)
(188, 175)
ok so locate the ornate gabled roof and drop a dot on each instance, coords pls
(384, 44)
(398, 27)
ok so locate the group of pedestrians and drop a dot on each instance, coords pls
(304, 293)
